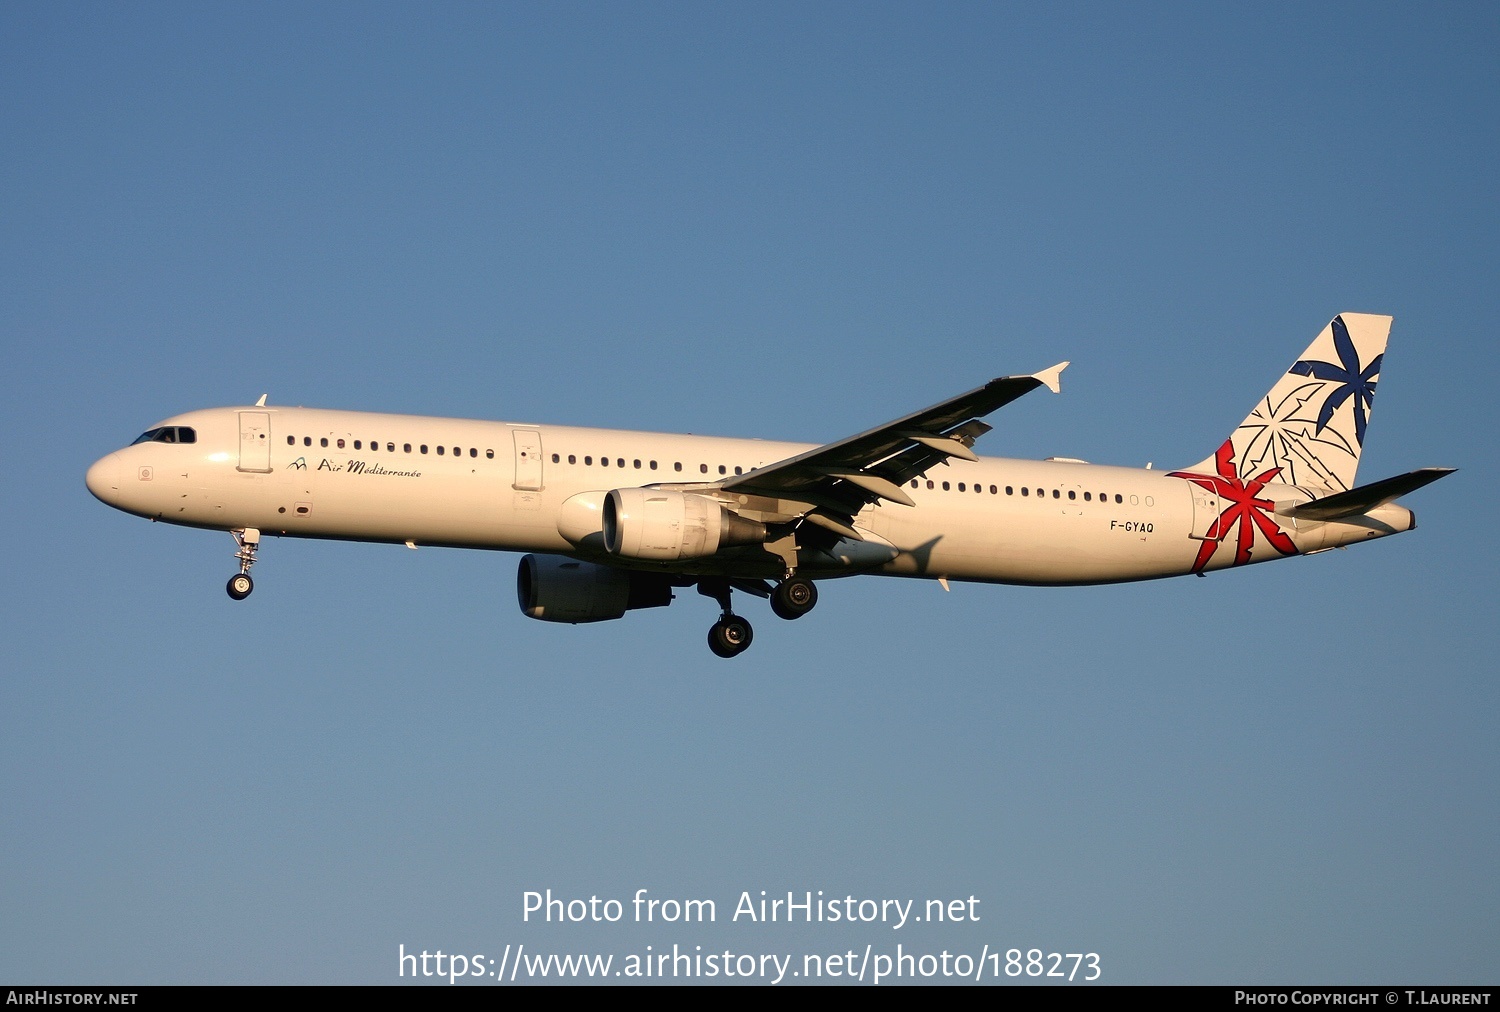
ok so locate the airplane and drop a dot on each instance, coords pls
(615, 521)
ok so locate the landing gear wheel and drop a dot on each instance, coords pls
(247, 540)
(730, 636)
(794, 598)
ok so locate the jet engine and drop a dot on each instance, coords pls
(664, 526)
(555, 588)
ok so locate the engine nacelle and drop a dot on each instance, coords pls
(663, 525)
(555, 588)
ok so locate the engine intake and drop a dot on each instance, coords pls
(554, 588)
(664, 526)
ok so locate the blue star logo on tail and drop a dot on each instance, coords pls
(1353, 383)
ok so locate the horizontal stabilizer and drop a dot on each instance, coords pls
(1358, 501)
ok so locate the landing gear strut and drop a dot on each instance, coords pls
(731, 635)
(794, 597)
(240, 585)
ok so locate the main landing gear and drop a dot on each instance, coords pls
(794, 597)
(731, 635)
(240, 585)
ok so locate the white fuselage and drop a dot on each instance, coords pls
(303, 472)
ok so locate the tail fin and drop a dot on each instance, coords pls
(1310, 428)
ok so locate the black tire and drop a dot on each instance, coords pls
(794, 598)
(239, 586)
(730, 636)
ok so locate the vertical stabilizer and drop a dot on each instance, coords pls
(1310, 428)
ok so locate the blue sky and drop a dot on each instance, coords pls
(786, 221)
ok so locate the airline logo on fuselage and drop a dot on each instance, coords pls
(364, 467)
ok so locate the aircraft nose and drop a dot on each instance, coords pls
(103, 478)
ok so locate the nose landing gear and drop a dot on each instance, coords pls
(240, 585)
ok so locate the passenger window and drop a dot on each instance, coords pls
(291, 440)
(637, 464)
(356, 444)
(474, 452)
(945, 486)
(556, 459)
(489, 454)
(703, 468)
(323, 442)
(1009, 490)
(603, 461)
(423, 447)
(930, 484)
(390, 447)
(306, 440)
(1072, 494)
(737, 469)
(653, 465)
(677, 465)
(441, 450)
(994, 490)
(620, 462)
(1118, 498)
(341, 446)
(721, 469)
(572, 459)
(961, 487)
(1056, 494)
(1025, 490)
(588, 460)
(405, 447)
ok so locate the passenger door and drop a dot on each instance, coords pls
(255, 441)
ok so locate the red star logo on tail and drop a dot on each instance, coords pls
(1244, 511)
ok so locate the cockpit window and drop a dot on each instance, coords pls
(168, 434)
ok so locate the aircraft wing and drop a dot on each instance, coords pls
(841, 478)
